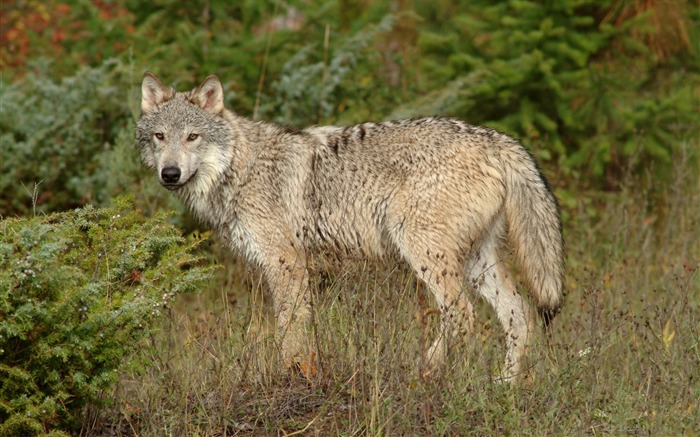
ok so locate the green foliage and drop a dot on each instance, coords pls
(78, 291)
(309, 90)
(76, 33)
(53, 133)
(70, 142)
(536, 71)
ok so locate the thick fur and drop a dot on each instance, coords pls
(437, 192)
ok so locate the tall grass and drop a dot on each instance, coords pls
(622, 358)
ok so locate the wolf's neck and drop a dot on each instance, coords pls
(226, 168)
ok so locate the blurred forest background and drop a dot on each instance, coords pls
(604, 93)
(596, 89)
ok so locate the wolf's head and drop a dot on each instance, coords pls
(183, 136)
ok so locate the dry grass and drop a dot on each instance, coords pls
(623, 357)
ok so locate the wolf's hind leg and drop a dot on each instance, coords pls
(456, 317)
(440, 268)
(489, 276)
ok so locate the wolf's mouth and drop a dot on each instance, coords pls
(171, 187)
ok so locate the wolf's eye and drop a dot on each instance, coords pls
(192, 137)
(159, 135)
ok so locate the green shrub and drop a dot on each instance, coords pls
(54, 133)
(309, 90)
(71, 142)
(78, 290)
(564, 77)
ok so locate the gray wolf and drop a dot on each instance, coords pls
(441, 194)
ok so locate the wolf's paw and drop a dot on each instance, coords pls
(306, 365)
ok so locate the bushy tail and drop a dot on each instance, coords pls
(534, 228)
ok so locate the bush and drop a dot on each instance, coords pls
(68, 143)
(572, 82)
(309, 91)
(54, 133)
(78, 290)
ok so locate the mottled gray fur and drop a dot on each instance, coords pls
(437, 192)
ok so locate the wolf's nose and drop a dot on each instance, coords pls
(170, 175)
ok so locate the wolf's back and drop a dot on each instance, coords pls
(534, 228)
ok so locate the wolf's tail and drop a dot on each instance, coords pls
(534, 228)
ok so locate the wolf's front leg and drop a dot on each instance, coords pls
(290, 293)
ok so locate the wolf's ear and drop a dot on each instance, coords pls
(209, 95)
(153, 92)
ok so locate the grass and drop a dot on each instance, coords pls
(623, 357)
